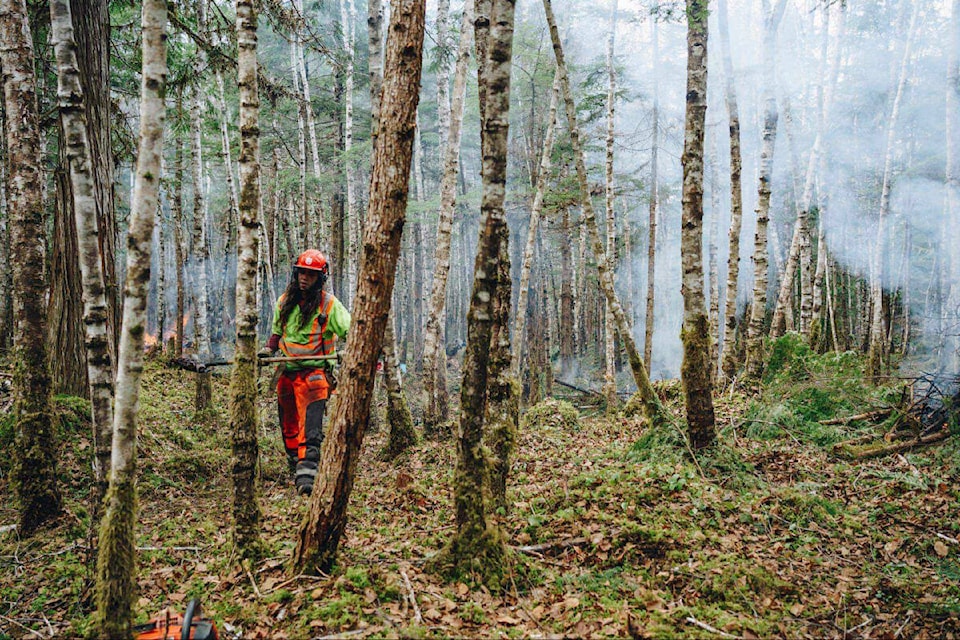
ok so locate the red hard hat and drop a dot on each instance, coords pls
(313, 260)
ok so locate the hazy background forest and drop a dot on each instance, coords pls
(800, 324)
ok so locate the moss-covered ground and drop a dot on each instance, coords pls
(613, 528)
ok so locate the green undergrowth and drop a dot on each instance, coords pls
(765, 534)
(802, 389)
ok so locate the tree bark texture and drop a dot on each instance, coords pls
(36, 446)
(649, 318)
(477, 544)
(758, 310)
(76, 143)
(433, 411)
(243, 382)
(324, 525)
(696, 366)
(609, 330)
(651, 402)
(116, 563)
(728, 353)
(543, 173)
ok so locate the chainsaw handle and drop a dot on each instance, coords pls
(193, 607)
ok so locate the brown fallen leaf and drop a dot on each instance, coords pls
(940, 549)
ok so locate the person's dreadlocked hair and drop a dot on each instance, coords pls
(293, 296)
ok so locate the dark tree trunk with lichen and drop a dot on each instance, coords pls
(323, 526)
(116, 562)
(243, 383)
(477, 546)
(696, 367)
(36, 447)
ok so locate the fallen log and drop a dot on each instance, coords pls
(575, 388)
(869, 415)
(899, 447)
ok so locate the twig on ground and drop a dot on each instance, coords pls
(253, 582)
(36, 633)
(536, 549)
(194, 549)
(299, 576)
(344, 634)
(915, 471)
(706, 627)
(417, 616)
(947, 538)
(903, 626)
(943, 434)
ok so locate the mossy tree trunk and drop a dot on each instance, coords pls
(486, 392)
(116, 562)
(323, 526)
(83, 187)
(243, 383)
(609, 323)
(696, 334)
(36, 446)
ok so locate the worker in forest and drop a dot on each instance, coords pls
(307, 321)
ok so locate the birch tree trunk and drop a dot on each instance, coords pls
(649, 320)
(758, 310)
(609, 331)
(116, 562)
(696, 366)
(566, 326)
(434, 408)
(95, 310)
(877, 350)
(542, 175)
(201, 249)
(36, 446)
(323, 526)
(307, 112)
(243, 381)
(728, 354)
(354, 222)
(651, 403)
(176, 207)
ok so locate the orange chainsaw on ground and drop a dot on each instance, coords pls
(190, 626)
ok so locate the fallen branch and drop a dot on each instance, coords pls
(575, 388)
(869, 415)
(256, 589)
(550, 546)
(417, 616)
(36, 633)
(706, 627)
(943, 434)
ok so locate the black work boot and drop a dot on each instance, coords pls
(306, 474)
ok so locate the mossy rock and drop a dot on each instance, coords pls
(558, 414)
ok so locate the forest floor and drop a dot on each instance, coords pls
(615, 530)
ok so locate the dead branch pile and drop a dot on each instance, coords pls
(928, 407)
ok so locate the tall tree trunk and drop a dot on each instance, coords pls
(91, 23)
(949, 271)
(116, 563)
(322, 528)
(649, 318)
(243, 382)
(728, 354)
(477, 545)
(307, 112)
(354, 218)
(304, 115)
(877, 349)
(399, 418)
(201, 247)
(651, 403)
(433, 360)
(758, 310)
(36, 445)
(609, 330)
(176, 207)
(712, 266)
(696, 367)
(543, 174)
(95, 310)
(567, 326)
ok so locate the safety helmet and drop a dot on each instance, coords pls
(313, 260)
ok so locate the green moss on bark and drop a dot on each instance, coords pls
(116, 564)
(402, 434)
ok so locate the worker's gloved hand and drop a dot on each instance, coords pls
(266, 352)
